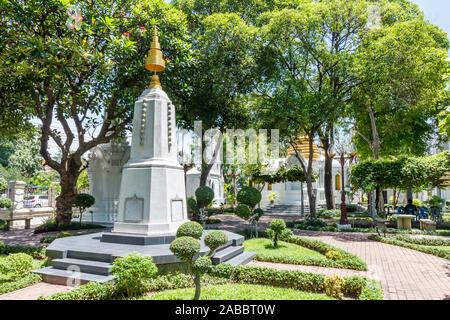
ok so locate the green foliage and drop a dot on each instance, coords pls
(258, 213)
(334, 255)
(328, 214)
(372, 290)
(90, 291)
(83, 181)
(131, 272)
(201, 265)
(22, 282)
(51, 226)
(22, 154)
(5, 203)
(190, 229)
(3, 184)
(243, 211)
(222, 270)
(15, 266)
(334, 285)
(430, 249)
(84, 201)
(192, 205)
(418, 173)
(435, 201)
(283, 174)
(185, 248)
(53, 238)
(35, 252)
(204, 196)
(278, 227)
(46, 180)
(249, 196)
(239, 292)
(215, 239)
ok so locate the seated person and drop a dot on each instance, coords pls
(410, 208)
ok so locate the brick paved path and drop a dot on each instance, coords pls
(405, 274)
(35, 291)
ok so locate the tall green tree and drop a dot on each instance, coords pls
(84, 65)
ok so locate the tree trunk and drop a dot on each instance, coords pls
(309, 182)
(409, 194)
(197, 287)
(328, 172)
(67, 198)
(205, 173)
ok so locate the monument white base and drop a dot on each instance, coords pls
(152, 199)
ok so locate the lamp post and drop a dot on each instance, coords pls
(343, 223)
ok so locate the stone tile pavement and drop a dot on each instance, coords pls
(405, 274)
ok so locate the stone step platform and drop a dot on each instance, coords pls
(70, 278)
(86, 266)
(92, 257)
(226, 254)
(241, 259)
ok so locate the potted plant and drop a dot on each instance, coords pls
(272, 197)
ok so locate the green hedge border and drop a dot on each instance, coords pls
(349, 261)
(19, 284)
(395, 241)
(355, 287)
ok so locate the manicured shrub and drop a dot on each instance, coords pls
(258, 213)
(277, 226)
(334, 255)
(15, 266)
(286, 235)
(35, 252)
(2, 248)
(243, 211)
(249, 196)
(372, 290)
(201, 265)
(328, 214)
(83, 202)
(349, 261)
(222, 270)
(190, 229)
(90, 291)
(334, 285)
(215, 239)
(131, 272)
(5, 203)
(3, 184)
(185, 248)
(192, 205)
(204, 196)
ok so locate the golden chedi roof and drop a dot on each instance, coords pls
(302, 147)
(155, 61)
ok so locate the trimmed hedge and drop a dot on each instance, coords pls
(348, 261)
(20, 283)
(35, 252)
(354, 286)
(51, 226)
(395, 241)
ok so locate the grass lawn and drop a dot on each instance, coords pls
(264, 247)
(238, 292)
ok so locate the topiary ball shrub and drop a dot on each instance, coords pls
(84, 201)
(286, 234)
(277, 225)
(258, 213)
(243, 211)
(192, 205)
(5, 203)
(190, 229)
(201, 265)
(185, 248)
(15, 266)
(215, 239)
(334, 286)
(249, 196)
(204, 195)
(132, 272)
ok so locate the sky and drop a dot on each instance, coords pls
(436, 11)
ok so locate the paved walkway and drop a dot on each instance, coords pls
(405, 274)
(35, 291)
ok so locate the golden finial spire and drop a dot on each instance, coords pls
(155, 61)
